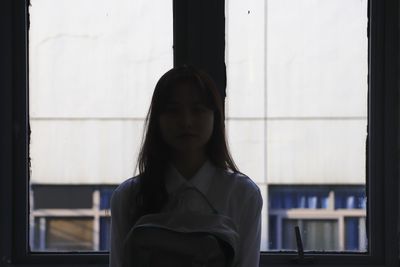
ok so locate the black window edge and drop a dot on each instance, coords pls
(6, 50)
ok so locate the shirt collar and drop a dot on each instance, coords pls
(201, 180)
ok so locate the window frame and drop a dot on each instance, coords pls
(199, 30)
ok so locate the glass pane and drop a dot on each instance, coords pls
(105, 226)
(355, 233)
(69, 234)
(297, 104)
(93, 66)
(315, 234)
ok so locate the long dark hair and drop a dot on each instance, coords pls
(154, 153)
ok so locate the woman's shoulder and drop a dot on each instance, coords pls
(239, 181)
(128, 183)
(126, 189)
(238, 189)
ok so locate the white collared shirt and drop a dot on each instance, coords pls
(231, 194)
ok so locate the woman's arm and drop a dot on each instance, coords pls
(250, 231)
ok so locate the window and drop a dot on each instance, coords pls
(305, 64)
(331, 218)
(92, 74)
(70, 218)
(382, 149)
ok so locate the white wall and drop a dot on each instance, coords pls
(297, 90)
(296, 96)
(93, 68)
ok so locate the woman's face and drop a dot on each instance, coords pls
(186, 123)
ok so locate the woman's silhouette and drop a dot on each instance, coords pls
(185, 146)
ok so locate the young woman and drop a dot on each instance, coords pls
(185, 146)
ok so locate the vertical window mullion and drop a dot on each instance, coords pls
(199, 37)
